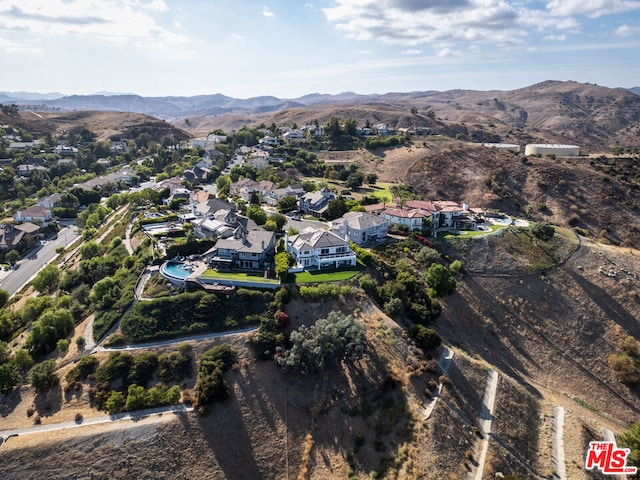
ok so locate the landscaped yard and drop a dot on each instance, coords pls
(211, 274)
(469, 233)
(324, 275)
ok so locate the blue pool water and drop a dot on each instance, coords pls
(178, 270)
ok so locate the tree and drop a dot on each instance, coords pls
(336, 208)
(12, 256)
(105, 292)
(22, 360)
(255, 213)
(287, 204)
(9, 377)
(47, 279)
(4, 298)
(43, 375)
(63, 346)
(48, 329)
(114, 402)
(4, 352)
(372, 178)
(309, 186)
(278, 220)
(281, 265)
(324, 345)
(440, 280)
(135, 397)
(355, 179)
(80, 342)
(90, 250)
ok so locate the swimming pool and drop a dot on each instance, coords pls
(177, 270)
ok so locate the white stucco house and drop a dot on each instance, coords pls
(411, 219)
(319, 249)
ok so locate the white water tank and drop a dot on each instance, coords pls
(552, 149)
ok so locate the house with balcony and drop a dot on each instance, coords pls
(319, 249)
(410, 220)
(315, 203)
(243, 251)
(361, 228)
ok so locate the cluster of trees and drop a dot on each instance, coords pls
(132, 374)
(194, 312)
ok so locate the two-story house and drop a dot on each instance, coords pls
(244, 250)
(412, 220)
(315, 203)
(320, 249)
(360, 228)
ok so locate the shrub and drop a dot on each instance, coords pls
(624, 369)
(85, 367)
(115, 402)
(543, 231)
(427, 338)
(367, 283)
(392, 307)
(174, 366)
(427, 256)
(115, 368)
(144, 366)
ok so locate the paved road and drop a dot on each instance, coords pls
(29, 267)
(173, 341)
(557, 444)
(486, 416)
(136, 415)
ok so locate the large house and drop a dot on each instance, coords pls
(244, 250)
(35, 213)
(12, 235)
(319, 249)
(360, 228)
(315, 203)
(411, 220)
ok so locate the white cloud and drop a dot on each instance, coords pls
(556, 38)
(267, 12)
(447, 52)
(627, 30)
(236, 37)
(411, 51)
(591, 8)
(415, 22)
(157, 5)
(119, 21)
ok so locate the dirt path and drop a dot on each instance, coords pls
(486, 416)
(446, 357)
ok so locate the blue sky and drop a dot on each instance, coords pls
(288, 48)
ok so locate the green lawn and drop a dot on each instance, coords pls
(469, 233)
(382, 193)
(325, 275)
(211, 274)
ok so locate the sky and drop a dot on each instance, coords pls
(289, 48)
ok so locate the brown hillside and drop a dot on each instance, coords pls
(598, 194)
(595, 118)
(105, 125)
